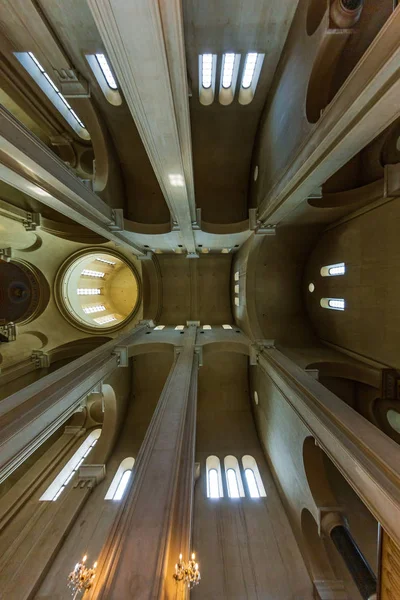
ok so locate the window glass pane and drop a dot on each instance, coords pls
(336, 303)
(213, 483)
(119, 492)
(251, 482)
(232, 484)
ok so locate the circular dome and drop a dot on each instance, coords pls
(23, 292)
(98, 290)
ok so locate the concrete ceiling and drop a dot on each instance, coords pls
(223, 136)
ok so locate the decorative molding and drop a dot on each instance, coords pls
(199, 351)
(118, 220)
(258, 227)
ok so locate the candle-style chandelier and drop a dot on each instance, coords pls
(187, 572)
(81, 578)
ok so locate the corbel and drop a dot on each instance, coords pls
(90, 475)
(72, 84)
(122, 353)
(31, 222)
(199, 351)
(118, 220)
(8, 332)
(256, 349)
(257, 226)
(147, 256)
(40, 358)
(6, 254)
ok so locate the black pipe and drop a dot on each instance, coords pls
(356, 563)
(351, 4)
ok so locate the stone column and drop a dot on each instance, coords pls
(154, 519)
(366, 457)
(30, 416)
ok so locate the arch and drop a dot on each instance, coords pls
(214, 482)
(315, 14)
(70, 469)
(76, 348)
(233, 477)
(115, 490)
(315, 471)
(347, 370)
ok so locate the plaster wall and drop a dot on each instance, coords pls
(245, 547)
(368, 244)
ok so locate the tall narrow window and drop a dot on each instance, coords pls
(333, 270)
(227, 326)
(233, 477)
(120, 479)
(207, 327)
(252, 484)
(233, 488)
(179, 327)
(106, 70)
(207, 72)
(251, 73)
(333, 303)
(66, 474)
(31, 64)
(253, 478)
(159, 327)
(214, 478)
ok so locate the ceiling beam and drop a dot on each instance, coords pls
(367, 103)
(146, 48)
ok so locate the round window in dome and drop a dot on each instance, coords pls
(98, 290)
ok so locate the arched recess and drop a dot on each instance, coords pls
(349, 370)
(67, 352)
(315, 14)
(321, 86)
(313, 462)
(316, 556)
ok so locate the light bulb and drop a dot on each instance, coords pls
(95, 565)
(193, 556)
(196, 566)
(84, 558)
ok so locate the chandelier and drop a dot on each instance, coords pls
(187, 572)
(81, 578)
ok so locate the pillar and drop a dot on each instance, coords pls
(154, 520)
(31, 415)
(366, 457)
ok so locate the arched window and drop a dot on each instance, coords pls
(214, 478)
(233, 477)
(66, 474)
(253, 477)
(120, 480)
(333, 270)
(333, 303)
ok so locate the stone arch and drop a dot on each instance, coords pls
(314, 468)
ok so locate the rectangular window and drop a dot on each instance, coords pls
(93, 309)
(91, 273)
